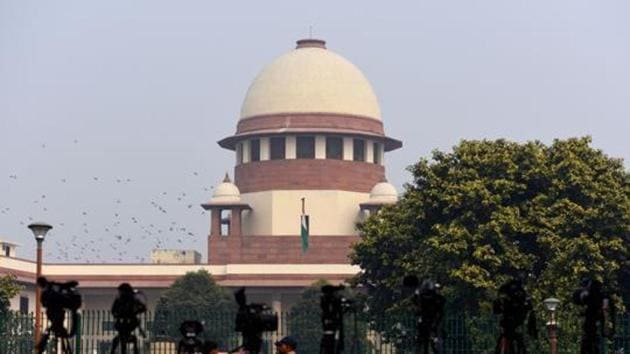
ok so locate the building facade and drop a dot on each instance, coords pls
(309, 141)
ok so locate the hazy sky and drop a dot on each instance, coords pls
(110, 111)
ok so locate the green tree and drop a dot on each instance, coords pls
(196, 296)
(305, 322)
(9, 287)
(489, 210)
(12, 330)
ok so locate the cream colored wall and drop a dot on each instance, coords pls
(331, 212)
(257, 221)
(170, 256)
(174, 269)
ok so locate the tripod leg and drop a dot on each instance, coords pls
(41, 346)
(114, 345)
(134, 342)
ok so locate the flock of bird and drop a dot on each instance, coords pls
(116, 230)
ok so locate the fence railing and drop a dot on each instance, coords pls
(160, 334)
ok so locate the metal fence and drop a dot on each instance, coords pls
(462, 335)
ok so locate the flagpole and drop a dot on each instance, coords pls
(304, 226)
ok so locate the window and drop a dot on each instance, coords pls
(377, 153)
(334, 148)
(358, 150)
(254, 148)
(226, 215)
(305, 147)
(23, 305)
(277, 148)
(7, 250)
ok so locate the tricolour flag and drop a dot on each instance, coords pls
(304, 231)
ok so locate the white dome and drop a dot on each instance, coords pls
(311, 79)
(226, 192)
(383, 193)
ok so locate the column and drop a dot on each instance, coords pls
(369, 151)
(264, 149)
(348, 149)
(320, 147)
(290, 147)
(246, 151)
(215, 222)
(235, 221)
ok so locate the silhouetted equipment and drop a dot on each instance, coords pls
(126, 308)
(428, 307)
(334, 305)
(515, 306)
(190, 342)
(252, 320)
(58, 298)
(599, 310)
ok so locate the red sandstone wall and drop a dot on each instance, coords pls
(310, 121)
(279, 249)
(308, 174)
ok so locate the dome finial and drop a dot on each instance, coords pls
(227, 178)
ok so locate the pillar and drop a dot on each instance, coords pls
(264, 149)
(348, 149)
(235, 221)
(290, 147)
(215, 222)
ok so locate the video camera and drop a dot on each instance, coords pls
(127, 306)
(252, 320)
(190, 342)
(514, 305)
(428, 305)
(599, 308)
(334, 305)
(58, 298)
(60, 295)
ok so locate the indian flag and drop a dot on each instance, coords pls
(304, 231)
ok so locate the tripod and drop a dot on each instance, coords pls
(356, 344)
(125, 336)
(59, 332)
(510, 342)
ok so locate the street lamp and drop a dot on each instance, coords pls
(39, 230)
(551, 304)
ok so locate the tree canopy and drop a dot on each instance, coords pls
(9, 287)
(491, 210)
(194, 296)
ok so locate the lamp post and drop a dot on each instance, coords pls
(39, 230)
(551, 304)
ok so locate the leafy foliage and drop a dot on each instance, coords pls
(9, 287)
(305, 322)
(194, 296)
(491, 210)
